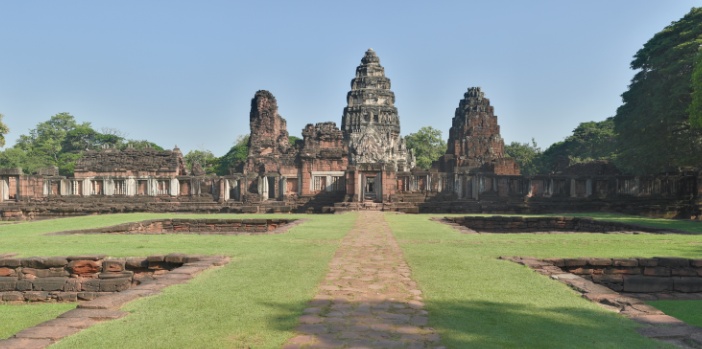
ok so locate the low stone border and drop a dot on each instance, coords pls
(657, 324)
(516, 224)
(209, 226)
(106, 307)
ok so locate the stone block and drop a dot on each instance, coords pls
(50, 284)
(599, 262)
(90, 285)
(13, 296)
(55, 262)
(10, 262)
(575, 262)
(33, 262)
(36, 296)
(72, 285)
(623, 271)
(67, 297)
(45, 273)
(176, 258)
(113, 265)
(155, 258)
(608, 278)
(136, 263)
(625, 262)
(687, 284)
(84, 266)
(5, 272)
(8, 284)
(115, 285)
(88, 296)
(673, 262)
(697, 263)
(646, 284)
(648, 262)
(123, 274)
(656, 271)
(683, 271)
(24, 285)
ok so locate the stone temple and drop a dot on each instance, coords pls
(364, 164)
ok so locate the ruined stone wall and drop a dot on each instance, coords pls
(72, 278)
(638, 275)
(506, 224)
(130, 162)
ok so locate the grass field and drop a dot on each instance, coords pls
(474, 299)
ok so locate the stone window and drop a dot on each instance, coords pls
(120, 187)
(337, 184)
(162, 187)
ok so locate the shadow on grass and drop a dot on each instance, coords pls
(471, 324)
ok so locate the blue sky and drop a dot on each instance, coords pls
(184, 72)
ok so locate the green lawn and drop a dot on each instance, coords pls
(688, 311)
(478, 301)
(474, 299)
(254, 301)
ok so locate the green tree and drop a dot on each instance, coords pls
(526, 155)
(654, 121)
(426, 145)
(590, 141)
(204, 158)
(3, 131)
(235, 158)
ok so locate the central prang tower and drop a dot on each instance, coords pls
(370, 122)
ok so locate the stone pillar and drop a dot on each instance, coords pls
(283, 187)
(174, 190)
(588, 188)
(572, 188)
(109, 187)
(263, 187)
(46, 188)
(130, 186)
(359, 185)
(87, 187)
(152, 187)
(225, 189)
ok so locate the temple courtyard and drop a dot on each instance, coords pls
(364, 279)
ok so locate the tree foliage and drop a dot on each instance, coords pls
(526, 155)
(654, 121)
(426, 145)
(59, 142)
(3, 131)
(590, 141)
(235, 158)
(207, 161)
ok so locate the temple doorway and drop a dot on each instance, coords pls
(370, 189)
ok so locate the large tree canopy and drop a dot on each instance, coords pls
(3, 131)
(59, 142)
(654, 121)
(426, 145)
(526, 155)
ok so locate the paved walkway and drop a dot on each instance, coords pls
(368, 299)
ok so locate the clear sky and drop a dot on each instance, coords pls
(184, 72)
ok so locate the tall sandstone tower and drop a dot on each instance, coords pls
(370, 122)
(475, 144)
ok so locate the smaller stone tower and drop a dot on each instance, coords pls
(475, 144)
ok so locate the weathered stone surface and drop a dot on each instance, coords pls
(7, 284)
(4, 271)
(45, 273)
(50, 284)
(115, 285)
(687, 284)
(33, 262)
(474, 138)
(13, 296)
(647, 284)
(113, 265)
(95, 314)
(672, 262)
(178, 258)
(82, 267)
(135, 263)
(10, 262)
(36, 296)
(90, 285)
(625, 262)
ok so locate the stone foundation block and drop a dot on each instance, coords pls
(687, 284)
(67, 297)
(36, 296)
(45, 273)
(55, 262)
(4, 272)
(87, 296)
(8, 283)
(115, 285)
(13, 296)
(24, 285)
(84, 266)
(608, 278)
(113, 265)
(136, 263)
(647, 284)
(177, 258)
(50, 284)
(90, 285)
(697, 263)
(72, 285)
(656, 271)
(684, 272)
(10, 262)
(575, 262)
(629, 262)
(599, 262)
(672, 262)
(648, 262)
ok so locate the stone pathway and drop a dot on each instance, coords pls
(368, 299)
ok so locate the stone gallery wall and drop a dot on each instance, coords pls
(73, 278)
